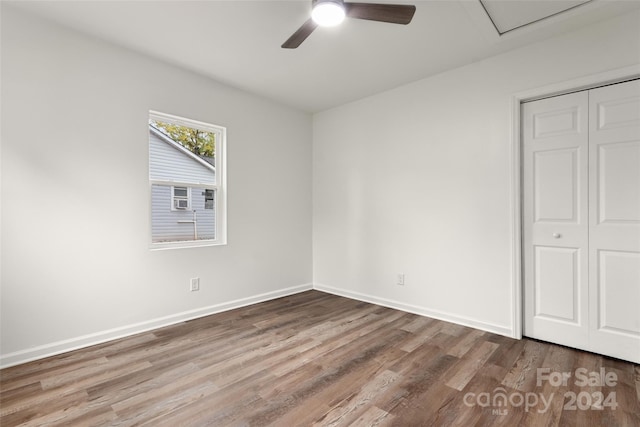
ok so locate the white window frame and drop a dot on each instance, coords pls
(219, 187)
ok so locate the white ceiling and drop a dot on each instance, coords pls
(238, 42)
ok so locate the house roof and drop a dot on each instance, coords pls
(208, 162)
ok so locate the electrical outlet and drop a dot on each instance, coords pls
(195, 284)
(400, 280)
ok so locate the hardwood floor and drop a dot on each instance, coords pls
(318, 359)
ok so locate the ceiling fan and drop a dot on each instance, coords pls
(332, 12)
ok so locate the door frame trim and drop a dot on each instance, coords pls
(515, 201)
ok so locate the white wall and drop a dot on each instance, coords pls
(417, 180)
(76, 266)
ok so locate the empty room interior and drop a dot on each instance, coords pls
(410, 213)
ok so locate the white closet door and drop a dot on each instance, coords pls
(581, 220)
(614, 232)
(555, 220)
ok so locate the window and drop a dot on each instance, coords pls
(186, 180)
(181, 198)
(208, 199)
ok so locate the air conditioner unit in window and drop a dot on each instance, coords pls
(181, 203)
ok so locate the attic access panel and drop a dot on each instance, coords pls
(508, 15)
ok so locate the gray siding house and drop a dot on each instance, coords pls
(184, 211)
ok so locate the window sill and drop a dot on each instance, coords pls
(185, 244)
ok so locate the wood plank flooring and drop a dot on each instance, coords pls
(314, 359)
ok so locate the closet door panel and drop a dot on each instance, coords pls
(555, 164)
(614, 229)
(618, 183)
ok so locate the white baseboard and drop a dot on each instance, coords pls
(59, 347)
(422, 311)
(55, 348)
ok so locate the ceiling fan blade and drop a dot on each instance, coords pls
(300, 35)
(392, 13)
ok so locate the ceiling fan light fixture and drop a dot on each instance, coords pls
(333, 12)
(328, 13)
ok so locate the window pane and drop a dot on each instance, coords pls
(180, 192)
(179, 225)
(181, 153)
